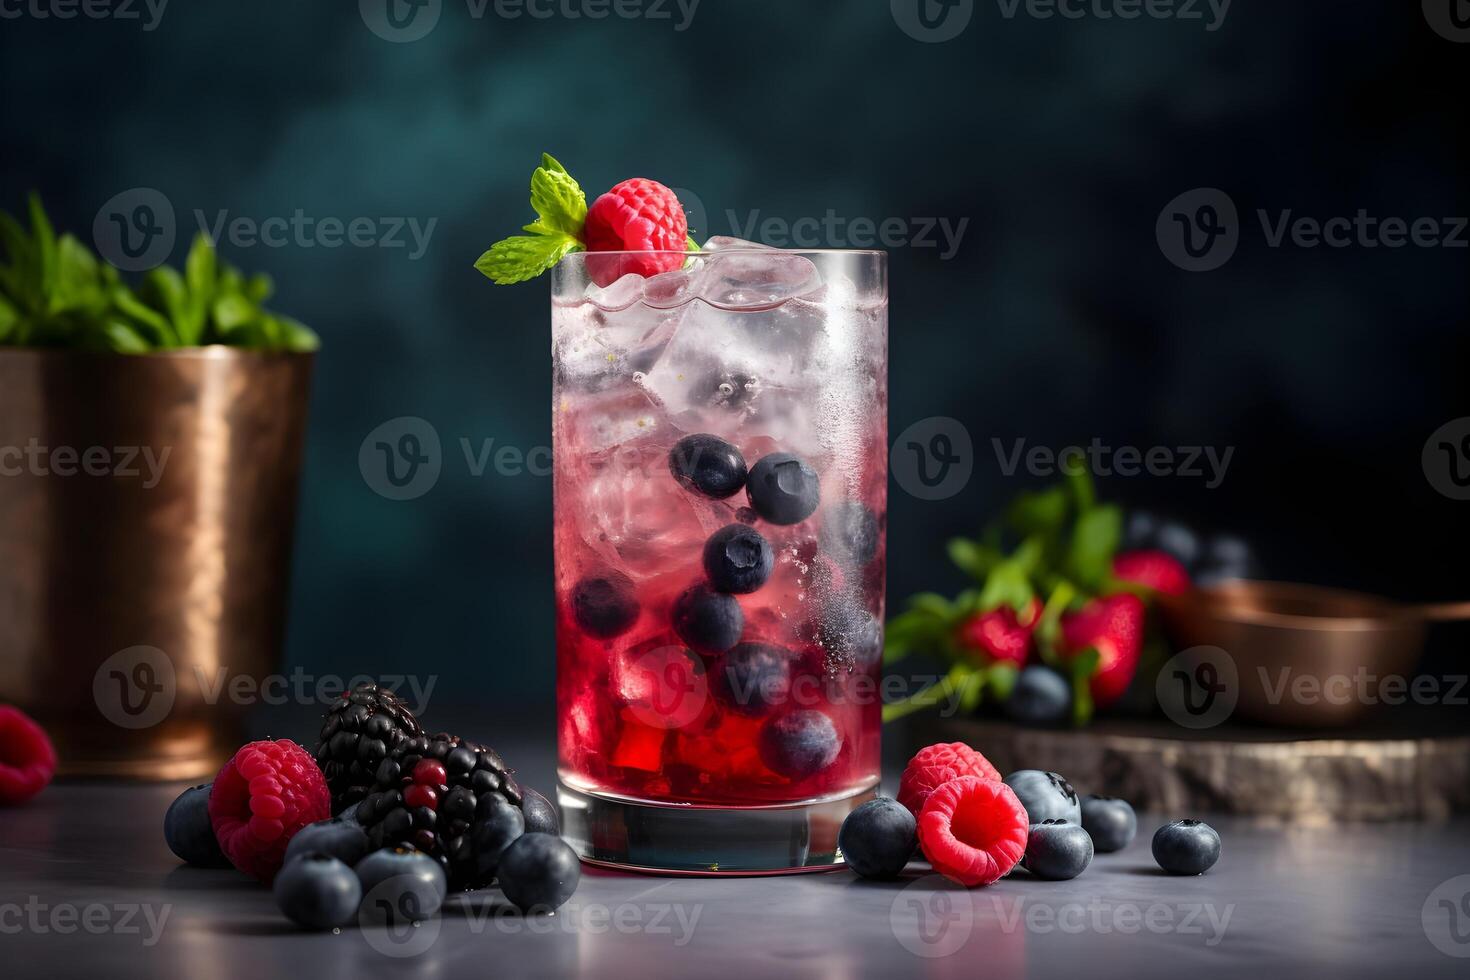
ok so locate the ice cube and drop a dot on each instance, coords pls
(670, 290)
(619, 296)
(594, 349)
(661, 683)
(743, 275)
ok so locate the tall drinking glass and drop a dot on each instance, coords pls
(720, 442)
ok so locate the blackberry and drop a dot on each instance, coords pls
(358, 731)
(453, 799)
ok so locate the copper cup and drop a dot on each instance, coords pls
(1317, 633)
(147, 505)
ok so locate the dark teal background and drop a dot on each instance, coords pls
(1058, 320)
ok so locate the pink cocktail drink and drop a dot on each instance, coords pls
(720, 446)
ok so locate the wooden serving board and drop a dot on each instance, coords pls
(1276, 776)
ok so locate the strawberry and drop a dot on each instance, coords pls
(1156, 570)
(1000, 634)
(1113, 625)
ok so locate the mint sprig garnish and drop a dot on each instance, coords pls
(561, 211)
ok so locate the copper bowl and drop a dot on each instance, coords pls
(1308, 632)
(132, 582)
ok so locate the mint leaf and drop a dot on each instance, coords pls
(1039, 512)
(1082, 667)
(1095, 539)
(561, 213)
(973, 558)
(1008, 585)
(560, 205)
(523, 257)
(1000, 677)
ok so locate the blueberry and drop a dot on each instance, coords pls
(1057, 850)
(400, 885)
(709, 621)
(800, 744)
(604, 605)
(1141, 531)
(878, 838)
(1045, 795)
(850, 532)
(707, 465)
(1186, 847)
(316, 891)
(1178, 540)
(752, 678)
(539, 872)
(498, 822)
(541, 817)
(1041, 697)
(342, 839)
(1226, 557)
(783, 489)
(1109, 821)
(738, 559)
(187, 830)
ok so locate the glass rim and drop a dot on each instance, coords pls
(702, 253)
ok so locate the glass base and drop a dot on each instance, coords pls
(684, 839)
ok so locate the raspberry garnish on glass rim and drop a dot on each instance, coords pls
(636, 215)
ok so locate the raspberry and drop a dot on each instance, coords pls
(261, 798)
(936, 765)
(27, 760)
(638, 215)
(973, 830)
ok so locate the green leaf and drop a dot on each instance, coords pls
(560, 205)
(1000, 678)
(145, 318)
(549, 162)
(1049, 625)
(200, 270)
(932, 603)
(232, 312)
(1081, 667)
(45, 238)
(973, 558)
(9, 317)
(690, 245)
(297, 336)
(523, 257)
(1039, 512)
(1008, 585)
(1084, 494)
(124, 339)
(932, 696)
(1095, 540)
